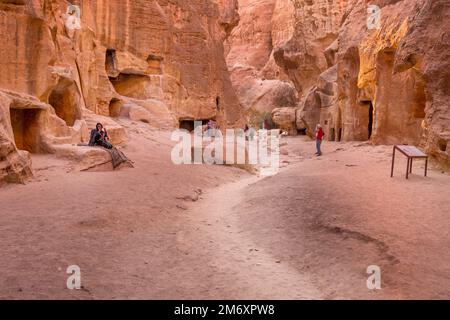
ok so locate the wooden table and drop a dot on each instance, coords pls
(411, 153)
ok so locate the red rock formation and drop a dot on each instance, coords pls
(390, 84)
(163, 62)
(254, 74)
(316, 27)
(401, 71)
(156, 61)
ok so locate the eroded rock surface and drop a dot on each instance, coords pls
(255, 76)
(160, 62)
(386, 80)
(168, 63)
(393, 82)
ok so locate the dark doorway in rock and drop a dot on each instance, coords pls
(65, 98)
(218, 103)
(302, 132)
(333, 134)
(110, 62)
(339, 126)
(368, 104)
(371, 111)
(420, 100)
(188, 125)
(442, 145)
(25, 125)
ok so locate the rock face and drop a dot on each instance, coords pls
(170, 62)
(159, 61)
(169, 51)
(277, 50)
(254, 74)
(393, 81)
(361, 77)
(315, 28)
(285, 118)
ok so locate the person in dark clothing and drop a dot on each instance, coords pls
(99, 137)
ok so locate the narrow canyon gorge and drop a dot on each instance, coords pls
(372, 73)
(171, 62)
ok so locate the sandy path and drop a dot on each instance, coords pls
(238, 266)
(334, 216)
(121, 227)
(312, 230)
(309, 232)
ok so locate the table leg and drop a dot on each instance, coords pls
(393, 162)
(426, 167)
(407, 169)
(411, 165)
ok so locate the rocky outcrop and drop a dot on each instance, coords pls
(392, 82)
(277, 50)
(286, 118)
(159, 61)
(163, 63)
(315, 28)
(254, 74)
(229, 16)
(156, 50)
(386, 80)
(28, 125)
(423, 56)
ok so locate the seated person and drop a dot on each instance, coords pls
(99, 137)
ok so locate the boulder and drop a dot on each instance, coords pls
(285, 119)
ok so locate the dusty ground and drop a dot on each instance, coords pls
(161, 231)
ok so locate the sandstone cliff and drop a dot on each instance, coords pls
(158, 61)
(169, 62)
(392, 81)
(258, 81)
(388, 83)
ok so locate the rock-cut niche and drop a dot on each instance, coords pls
(65, 99)
(26, 128)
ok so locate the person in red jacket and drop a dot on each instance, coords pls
(319, 138)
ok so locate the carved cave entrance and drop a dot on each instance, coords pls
(189, 125)
(65, 99)
(25, 125)
(110, 62)
(369, 119)
(336, 132)
(370, 127)
(302, 132)
(442, 144)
